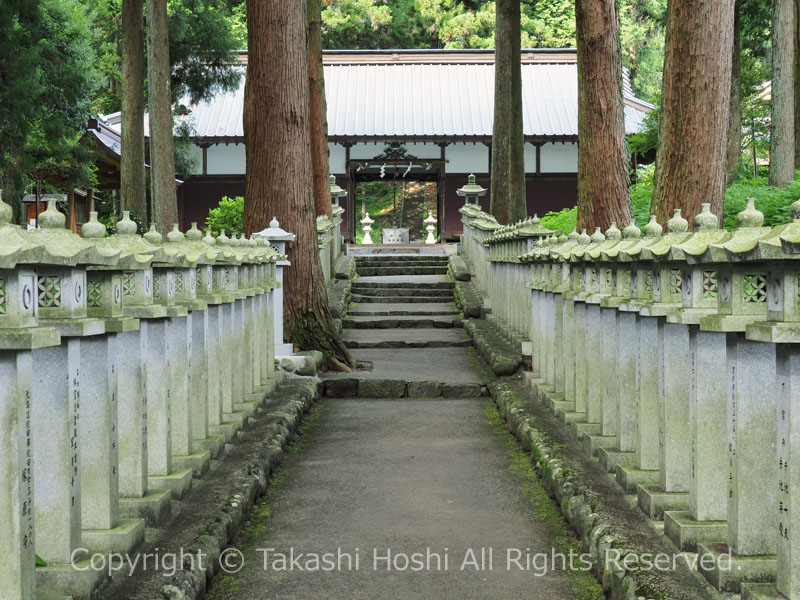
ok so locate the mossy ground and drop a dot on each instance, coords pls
(543, 508)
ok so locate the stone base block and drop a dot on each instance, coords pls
(256, 398)
(569, 416)
(213, 443)
(629, 479)
(247, 408)
(686, 532)
(154, 507)
(226, 431)
(582, 428)
(197, 463)
(124, 538)
(653, 501)
(731, 571)
(761, 591)
(611, 458)
(177, 482)
(593, 443)
(237, 417)
(527, 349)
(543, 393)
(78, 581)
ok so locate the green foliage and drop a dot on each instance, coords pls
(562, 221)
(642, 24)
(647, 139)
(47, 81)
(228, 216)
(642, 194)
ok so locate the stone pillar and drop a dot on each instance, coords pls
(625, 375)
(581, 368)
(708, 489)
(788, 485)
(567, 359)
(607, 383)
(226, 356)
(215, 361)
(648, 383)
(752, 408)
(159, 415)
(200, 373)
(594, 366)
(179, 350)
(674, 407)
(56, 457)
(98, 433)
(132, 411)
(16, 476)
(238, 354)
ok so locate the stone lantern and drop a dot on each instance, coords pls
(277, 237)
(367, 222)
(430, 225)
(472, 191)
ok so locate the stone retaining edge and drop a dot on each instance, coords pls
(191, 584)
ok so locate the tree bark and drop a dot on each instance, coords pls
(508, 201)
(735, 120)
(162, 152)
(691, 161)
(781, 139)
(603, 195)
(318, 121)
(797, 84)
(133, 187)
(277, 138)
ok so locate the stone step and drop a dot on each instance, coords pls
(422, 270)
(405, 338)
(366, 284)
(402, 321)
(404, 291)
(357, 298)
(391, 309)
(379, 388)
(382, 260)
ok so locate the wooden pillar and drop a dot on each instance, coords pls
(90, 200)
(440, 209)
(71, 211)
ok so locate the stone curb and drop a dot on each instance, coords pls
(501, 356)
(577, 503)
(467, 299)
(457, 269)
(300, 394)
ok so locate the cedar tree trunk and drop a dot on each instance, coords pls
(603, 195)
(691, 161)
(133, 186)
(276, 128)
(781, 139)
(162, 147)
(318, 121)
(735, 121)
(507, 200)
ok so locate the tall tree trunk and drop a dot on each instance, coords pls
(781, 139)
(318, 120)
(162, 150)
(603, 195)
(797, 84)
(691, 160)
(507, 200)
(276, 129)
(735, 120)
(133, 186)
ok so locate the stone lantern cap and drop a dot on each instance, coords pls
(367, 221)
(95, 232)
(336, 191)
(472, 189)
(59, 246)
(130, 243)
(275, 233)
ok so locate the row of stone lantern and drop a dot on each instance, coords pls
(672, 356)
(126, 362)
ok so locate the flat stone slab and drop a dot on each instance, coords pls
(403, 308)
(448, 365)
(405, 338)
(402, 321)
(403, 280)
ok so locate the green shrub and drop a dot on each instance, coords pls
(561, 221)
(228, 216)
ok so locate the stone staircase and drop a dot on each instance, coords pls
(404, 325)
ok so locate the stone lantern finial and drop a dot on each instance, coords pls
(52, 218)
(93, 229)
